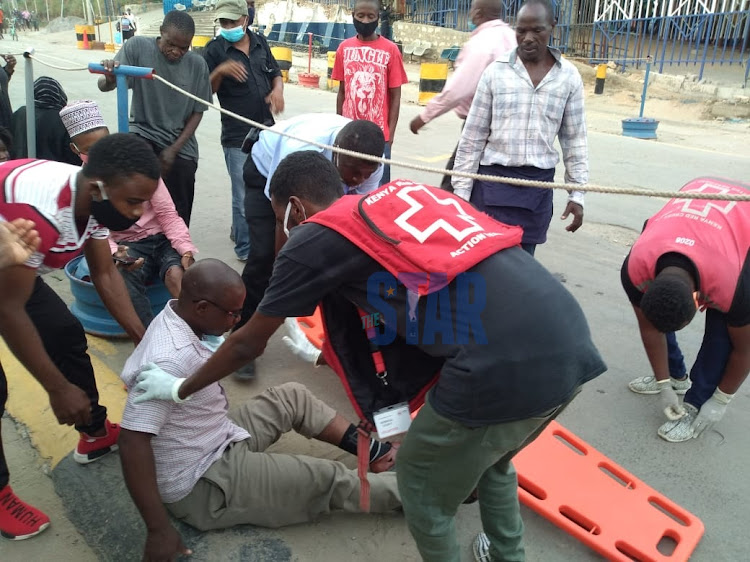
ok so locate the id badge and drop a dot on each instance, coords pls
(392, 420)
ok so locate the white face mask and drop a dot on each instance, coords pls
(286, 217)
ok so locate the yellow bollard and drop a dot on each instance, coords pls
(331, 61)
(601, 75)
(200, 41)
(432, 77)
(89, 30)
(283, 56)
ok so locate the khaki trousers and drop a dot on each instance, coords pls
(248, 486)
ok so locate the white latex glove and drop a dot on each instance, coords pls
(669, 401)
(711, 412)
(297, 342)
(156, 384)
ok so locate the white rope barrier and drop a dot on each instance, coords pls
(589, 188)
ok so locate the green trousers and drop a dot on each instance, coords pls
(441, 462)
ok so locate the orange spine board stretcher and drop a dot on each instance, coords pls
(583, 492)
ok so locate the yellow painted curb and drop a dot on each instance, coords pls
(29, 404)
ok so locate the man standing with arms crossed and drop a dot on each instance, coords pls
(166, 118)
(523, 101)
(490, 38)
(248, 81)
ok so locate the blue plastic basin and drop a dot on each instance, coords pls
(90, 310)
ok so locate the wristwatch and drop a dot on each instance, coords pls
(188, 255)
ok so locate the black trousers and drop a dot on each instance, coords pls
(180, 182)
(65, 342)
(261, 224)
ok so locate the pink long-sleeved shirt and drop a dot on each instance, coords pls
(486, 44)
(159, 216)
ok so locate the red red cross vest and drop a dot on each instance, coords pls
(715, 235)
(410, 228)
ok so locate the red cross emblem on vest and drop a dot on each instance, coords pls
(703, 207)
(455, 220)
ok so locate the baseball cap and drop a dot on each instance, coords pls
(231, 9)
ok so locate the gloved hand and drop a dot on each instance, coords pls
(156, 384)
(297, 342)
(669, 401)
(711, 412)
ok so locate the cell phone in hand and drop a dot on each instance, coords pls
(127, 260)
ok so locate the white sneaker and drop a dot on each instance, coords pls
(481, 547)
(648, 385)
(682, 429)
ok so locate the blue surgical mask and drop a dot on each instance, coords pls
(212, 343)
(472, 26)
(233, 35)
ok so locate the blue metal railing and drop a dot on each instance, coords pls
(695, 39)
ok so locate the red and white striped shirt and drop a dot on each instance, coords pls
(44, 192)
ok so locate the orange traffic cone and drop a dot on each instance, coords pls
(86, 45)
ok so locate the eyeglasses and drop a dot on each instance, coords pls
(233, 313)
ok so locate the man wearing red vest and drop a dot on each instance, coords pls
(693, 254)
(453, 305)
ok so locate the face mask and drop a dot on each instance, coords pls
(472, 26)
(365, 29)
(233, 35)
(250, 16)
(212, 343)
(286, 217)
(106, 214)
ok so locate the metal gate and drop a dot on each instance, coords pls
(673, 32)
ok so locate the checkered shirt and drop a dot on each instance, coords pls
(511, 123)
(188, 437)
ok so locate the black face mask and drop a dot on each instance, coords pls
(106, 214)
(365, 29)
(250, 16)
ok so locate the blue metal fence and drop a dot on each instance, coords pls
(694, 39)
(697, 39)
(454, 14)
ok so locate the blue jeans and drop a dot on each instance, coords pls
(235, 160)
(158, 256)
(386, 169)
(710, 363)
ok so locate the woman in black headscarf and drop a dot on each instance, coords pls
(52, 140)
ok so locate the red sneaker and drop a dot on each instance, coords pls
(91, 449)
(19, 520)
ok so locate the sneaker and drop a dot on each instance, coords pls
(19, 520)
(682, 429)
(246, 373)
(91, 449)
(648, 385)
(481, 548)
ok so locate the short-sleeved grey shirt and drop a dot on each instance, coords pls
(158, 112)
